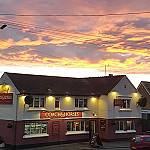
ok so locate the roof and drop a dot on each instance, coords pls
(40, 84)
(146, 85)
(103, 85)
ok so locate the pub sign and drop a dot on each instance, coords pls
(6, 98)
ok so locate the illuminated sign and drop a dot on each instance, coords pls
(118, 102)
(6, 98)
(60, 114)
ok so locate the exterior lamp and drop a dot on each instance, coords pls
(3, 26)
(93, 98)
(94, 114)
(68, 98)
(50, 97)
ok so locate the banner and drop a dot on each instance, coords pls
(60, 114)
(6, 98)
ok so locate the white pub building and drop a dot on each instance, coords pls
(38, 110)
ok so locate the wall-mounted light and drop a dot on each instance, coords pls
(50, 97)
(94, 114)
(68, 98)
(93, 98)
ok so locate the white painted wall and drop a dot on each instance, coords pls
(116, 112)
(8, 112)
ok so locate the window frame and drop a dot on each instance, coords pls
(57, 101)
(81, 128)
(125, 128)
(81, 103)
(127, 102)
(41, 101)
(35, 129)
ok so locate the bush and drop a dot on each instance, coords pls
(142, 102)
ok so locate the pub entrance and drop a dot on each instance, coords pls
(91, 128)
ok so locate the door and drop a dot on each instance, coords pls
(91, 128)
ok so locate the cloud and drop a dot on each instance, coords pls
(83, 42)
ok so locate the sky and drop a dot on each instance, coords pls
(76, 38)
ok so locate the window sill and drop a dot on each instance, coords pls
(128, 131)
(35, 135)
(81, 109)
(125, 109)
(77, 132)
(57, 109)
(36, 109)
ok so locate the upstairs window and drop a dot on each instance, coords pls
(81, 102)
(57, 102)
(126, 101)
(38, 102)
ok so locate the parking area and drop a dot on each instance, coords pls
(117, 145)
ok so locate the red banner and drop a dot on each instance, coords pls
(118, 102)
(6, 98)
(60, 114)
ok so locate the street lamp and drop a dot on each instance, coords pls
(3, 26)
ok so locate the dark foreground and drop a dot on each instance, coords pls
(117, 145)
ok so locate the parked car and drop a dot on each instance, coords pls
(140, 142)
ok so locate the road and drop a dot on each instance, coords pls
(117, 145)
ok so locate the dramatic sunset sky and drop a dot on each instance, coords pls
(76, 38)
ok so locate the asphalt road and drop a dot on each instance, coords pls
(117, 145)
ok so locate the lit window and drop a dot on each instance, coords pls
(57, 102)
(81, 102)
(38, 102)
(125, 125)
(35, 128)
(130, 125)
(78, 126)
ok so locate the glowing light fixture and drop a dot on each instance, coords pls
(93, 98)
(68, 98)
(50, 97)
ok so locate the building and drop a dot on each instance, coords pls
(66, 109)
(144, 90)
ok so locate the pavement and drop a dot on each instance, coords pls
(117, 145)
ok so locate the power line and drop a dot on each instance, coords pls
(68, 37)
(74, 15)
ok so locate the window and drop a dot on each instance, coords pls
(81, 102)
(120, 125)
(57, 102)
(125, 125)
(126, 101)
(35, 128)
(77, 126)
(38, 102)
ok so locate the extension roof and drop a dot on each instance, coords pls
(44, 85)
(146, 85)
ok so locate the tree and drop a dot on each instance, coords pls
(142, 102)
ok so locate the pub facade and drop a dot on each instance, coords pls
(42, 110)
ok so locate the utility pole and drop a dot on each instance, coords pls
(106, 69)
